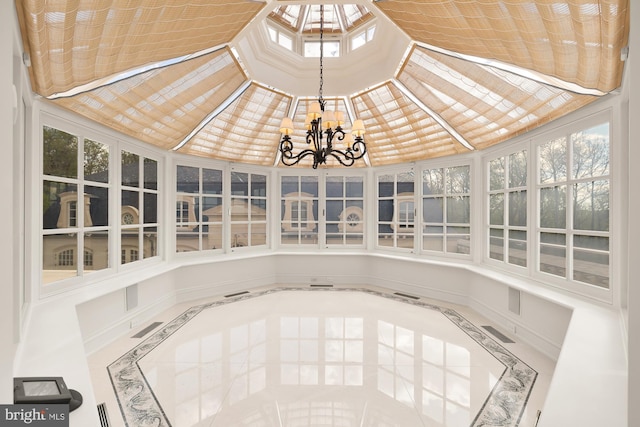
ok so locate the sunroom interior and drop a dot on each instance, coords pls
(145, 170)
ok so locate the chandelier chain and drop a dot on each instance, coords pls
(320, 99)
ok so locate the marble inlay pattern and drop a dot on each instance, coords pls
(503, 407)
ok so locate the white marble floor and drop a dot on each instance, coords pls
(319, 357)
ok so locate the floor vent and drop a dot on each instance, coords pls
(236, 294)
(146, 330)
(103, 416)
(321, 286)
(406, 295)
(502, 337)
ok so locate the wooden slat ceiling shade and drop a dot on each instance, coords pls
(400, 131)
(162, 106)
(247, 131)
(575, 40)
(484, 104)
(72, 43)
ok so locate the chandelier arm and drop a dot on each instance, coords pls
(349, 159)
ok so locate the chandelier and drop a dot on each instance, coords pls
(320, 124)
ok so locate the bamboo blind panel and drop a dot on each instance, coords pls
(484, 104)
(247, 131)
(398, 130)
(162, 106)
(299, 137)
(76, 42)
(578, 41)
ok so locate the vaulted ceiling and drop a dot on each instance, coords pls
(435, 77)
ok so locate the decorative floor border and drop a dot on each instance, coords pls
(503, 407)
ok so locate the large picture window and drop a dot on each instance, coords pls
(396, 210)
(508, 208)
(248, 209)
(299, 210)
(138, 207)
(75, 205)
(199, 209)
(446, 210)
(345, 210)
(573, 193)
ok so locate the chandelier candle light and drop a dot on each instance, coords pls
(329, 123)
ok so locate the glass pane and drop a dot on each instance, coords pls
(496, 209)
(188, 179)
(59, 205)
(433, 182)
(59, 153)
(59, 257)
(459, 244)
(335, 186)
(150, 174)
(591, 152)
(591, 260)
(458, 210)
(259, 210)
(309, 184)
(355, 186)
(518, 208)
(553, 207)
(239, 184)
(130, 246)
(553, 161)
(385, 210)
(518, 247)
(150, 208)
(289, 184)
(98, 198)
(334, 210)
(258, 235)
(96, 161)
(405, 183)
(433, 242)
(130, 170)
(212, 209)
(553, 253)
(591, 206)
(187, 241)
(130, 203)
(212, 236)
(496, 244)
(458, 180)
(150, 242)
(239, 210)
(258, 185)
(211, 181)
(239, 235)
(433, 209)
(518, 169)
(386, 186)
(96, 251)
(496, 174)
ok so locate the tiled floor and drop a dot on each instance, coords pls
(319, 357)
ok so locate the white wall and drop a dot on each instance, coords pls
(8, 306)
(634, 225)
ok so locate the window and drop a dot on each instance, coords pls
(363, 37)
(199, 191)
(75, 204)
(446, 210)
(344, 210)
(331, 49)
(396, 210)
(248, 209)
(299, 210)
(508, 208)
(281, 38)
(138, 207)
(573, 194)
